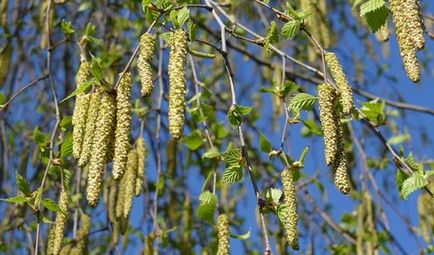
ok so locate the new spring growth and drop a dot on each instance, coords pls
(80, 247)
(290, 198)
(223, 235)
(404, 19)
(329, 121)
(142, 155)
(123, 126)
(147, 46)
(336, 70)
(177, 91)
(104, 132)
(128, 184)
(89, 131)
(80, 109)
(340, 167)
(58, 230)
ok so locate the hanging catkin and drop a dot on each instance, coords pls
(80, 109)
(127, 187)
(89, 131)
(58, 230)
(147, 46)
(80, 247)
(406, 46)
(80, 116)
(340, 166)
(290, 198)
(414, 23)
(346, 94)
(223, 235)
(103, 133)
(142, 155)
(123, 126)
(178, 54)
(329, 121)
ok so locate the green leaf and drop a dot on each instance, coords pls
(23, 184)
(274, 195)
(66, 122)
(399, 139)
(374, 111)
(67, 27)
(264, 144)
(291, 28)
(413, 183)
(232, 156)
(212, 153)
(376, 19)
(242, 236)
(400, 178)
(80, 89)
(312, 127)
(233, 174)
(17, 199)
(40, 138)
(66, 147)
(2, 98)
(302, 101)
(194, 140)
(183, 16)
(370, 6)
(236, 112)
(207, 206)
(50, 205)
(282, 213)
(303, 154)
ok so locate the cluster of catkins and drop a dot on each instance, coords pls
(102, 127)
(409, 30)
(329, 100)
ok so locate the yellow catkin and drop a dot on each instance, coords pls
(177, 91)
(340, 167)
(329, 121)
(341, 81)
(128, 184)
(415, 24)
(89, 131)
(142, 155)
(103, 133)
(147, 46)
(80, 116)
(290, 198)
(123, 126)
(58, 229)
(425, 208)
(406, 45)
(5, 60)
(80, 247)
(223, 235)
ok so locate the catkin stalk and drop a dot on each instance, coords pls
(103, 134)
(142, 155)
(329, 121)
(123, 126)
(147, 46)
(407, 48)
(223, 247)
(290, 198)
(341, 80)
(177, 91)
(58, 229)
(89, 131)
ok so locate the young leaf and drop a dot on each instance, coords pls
(236, 112)
(291, 28)
(264, 144)
(207, 206)
(413, 183)
(194, 140)
(183, 16)
(241, 237)
(212, 153)
(50, 205)
(17, 199)
(302, 101)
(233, 174)
(66, 147)
(23, 184)
(370, 6)
(376, 19)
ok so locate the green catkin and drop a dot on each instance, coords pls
(128, 183)
(103, 134)
(60, 223)
(123, 126)
(80, 247)
(329, 121)
(147, 46)
(223, 235)
(142, 155)
(80, 116)
(177, 91)
(406, 46)
(415, 23)
(425, 208)
(340, 167)
(89, 131)
(5, 60)
(290, 198)
(341, 81)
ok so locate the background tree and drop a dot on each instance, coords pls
(199, 127)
